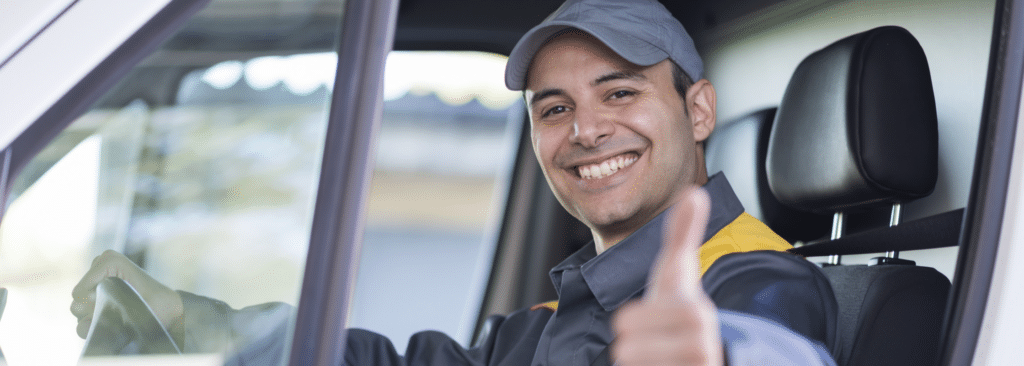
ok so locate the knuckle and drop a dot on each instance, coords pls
(80, 307)
(109, 256)
(101, 259)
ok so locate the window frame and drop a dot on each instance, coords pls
(366, 36)
(983, 225)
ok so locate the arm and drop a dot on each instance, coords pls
(751, 340)
(196, 323)
(777, 286)
(209, 325)
(677, 323)
(258, 334)
(512, 342)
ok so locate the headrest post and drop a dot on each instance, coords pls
(838, 228)
(894, 219)
(838, 225)
(897, 214)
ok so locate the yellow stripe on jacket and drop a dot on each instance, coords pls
(744, 234)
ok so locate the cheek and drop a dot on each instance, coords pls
(671, 139)
(545, 146)
(653, 118)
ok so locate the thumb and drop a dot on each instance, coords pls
(676, 274)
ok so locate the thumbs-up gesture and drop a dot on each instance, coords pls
(675, 323)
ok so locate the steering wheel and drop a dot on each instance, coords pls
(123, 324)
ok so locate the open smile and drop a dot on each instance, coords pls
(607, 167)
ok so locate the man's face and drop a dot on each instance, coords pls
(613, 138)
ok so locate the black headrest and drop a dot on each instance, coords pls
(857, 126)
(739, 148)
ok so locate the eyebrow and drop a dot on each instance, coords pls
(544, 94)
(617, 75)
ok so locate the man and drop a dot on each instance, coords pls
(617, 125)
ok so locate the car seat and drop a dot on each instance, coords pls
(739, 148)
(857, 130)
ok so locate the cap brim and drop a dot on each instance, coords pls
(632, 49)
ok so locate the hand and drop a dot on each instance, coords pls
(165, 302)
(675, 323)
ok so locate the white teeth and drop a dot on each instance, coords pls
(605, 168)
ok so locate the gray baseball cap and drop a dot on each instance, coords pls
(641, 31)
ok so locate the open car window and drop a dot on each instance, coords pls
(444, 156)
(201, 166)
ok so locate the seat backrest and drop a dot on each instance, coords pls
(857, 129)
(739, 148)
(888, 314)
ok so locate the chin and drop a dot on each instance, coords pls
(608, 218)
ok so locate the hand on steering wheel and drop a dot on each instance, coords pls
(124, 324)
(161, 301)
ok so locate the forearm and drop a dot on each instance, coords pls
(779, 287)
(209, 325)
(752, 340)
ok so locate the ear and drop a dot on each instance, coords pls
(700, 102)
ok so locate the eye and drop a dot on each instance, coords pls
(553, 110)
(622, 94)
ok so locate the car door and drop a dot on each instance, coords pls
(84, 86)
(982, 325)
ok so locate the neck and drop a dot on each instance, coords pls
(602, 243)
(606, 237)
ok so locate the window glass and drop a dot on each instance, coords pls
(444, 153)
(201, 167)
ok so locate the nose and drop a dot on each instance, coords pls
(591, 128)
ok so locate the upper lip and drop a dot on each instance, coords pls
(573, 165)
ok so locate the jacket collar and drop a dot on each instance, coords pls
(620, 272)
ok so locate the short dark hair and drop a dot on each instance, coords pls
(681, 81)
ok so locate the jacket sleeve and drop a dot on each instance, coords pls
(752, 340)
(425, 348)
(779, 287)
(257, 335)
(251, 335)
(512, 342)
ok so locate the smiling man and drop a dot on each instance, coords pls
(677, 274)
(616, 141)
(619, 114)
